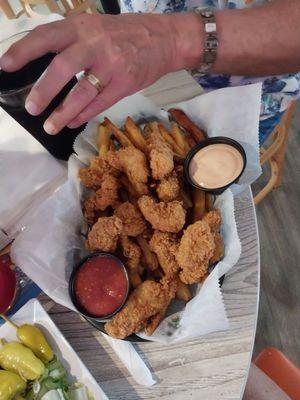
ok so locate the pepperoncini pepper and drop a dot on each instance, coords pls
(33, 338)
(11, 385)
(17, 358)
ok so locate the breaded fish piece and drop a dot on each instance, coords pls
(104, 234)
(104, 197)
(132, 252)
(213, 218)
(219, 248)
(92, 177)
(165, 217)
(165, 246)
(160, 156)
(146, 301)
(195, 250)
(168, 188)
(134, 223)
(154, 321)
(133, 162)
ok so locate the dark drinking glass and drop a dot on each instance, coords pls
(14, 89)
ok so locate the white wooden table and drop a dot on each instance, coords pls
(214, 367)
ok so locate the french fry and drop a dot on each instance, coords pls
(112, 146)
(190, 141)
(154, 128)
(199, 204)
(134, 191)
(179, 159)
(179, 137)
(134, 278)
(182, 119)
(126, 133)
(135, 135)
(187, 202)
(141, 269)
(209, 204)
(183, 292)
(150, 258)
(143, 261)
(103, 140)
(128, 186)
(121, 137)
(168, 138)
(147, 129)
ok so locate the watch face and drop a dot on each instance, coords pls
(210, 27)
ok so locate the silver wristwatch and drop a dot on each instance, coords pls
(211, 40)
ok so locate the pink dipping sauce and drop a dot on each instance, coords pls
(216, 165)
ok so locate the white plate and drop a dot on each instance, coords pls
(33, 313)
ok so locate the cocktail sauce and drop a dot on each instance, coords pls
(101, 285)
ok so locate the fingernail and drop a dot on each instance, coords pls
(50, 128)
(6, 61)
(73, 125)
(31, 107)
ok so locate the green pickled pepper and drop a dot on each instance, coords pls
(33, 337)
(11, 385)
(17, 358)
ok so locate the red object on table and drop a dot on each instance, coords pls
(101, 286)
(281, 370)
(8, 284)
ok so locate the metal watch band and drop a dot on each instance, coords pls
(211, 40)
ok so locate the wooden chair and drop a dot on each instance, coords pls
(8, 11)
(29, 5)
(74, 7)
(275, 154)
(70, 7)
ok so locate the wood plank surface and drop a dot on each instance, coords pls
(213, 367)
(279, 228)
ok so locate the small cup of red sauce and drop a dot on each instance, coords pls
(8, 284)
(99, 286)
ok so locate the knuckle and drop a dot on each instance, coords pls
(61, 65)
(45, 31)
(13, 49)
(81, 20)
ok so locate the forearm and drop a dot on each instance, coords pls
(258, 41)
(129, 52)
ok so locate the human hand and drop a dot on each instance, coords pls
(126, 53)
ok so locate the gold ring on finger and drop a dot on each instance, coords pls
(93, 80)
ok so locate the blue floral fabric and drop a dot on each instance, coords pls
(278, 91)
